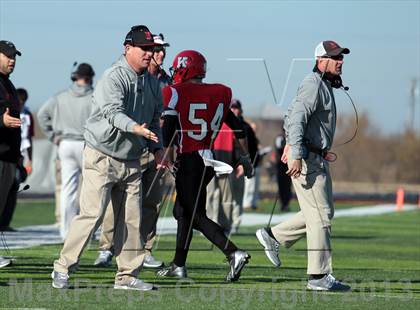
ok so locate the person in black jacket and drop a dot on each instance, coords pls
(10, 123)
(238, 184)
(284, 182)
(27, 129)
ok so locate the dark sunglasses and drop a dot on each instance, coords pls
(147, 48)
(338, 57)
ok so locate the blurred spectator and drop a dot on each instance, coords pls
(284, 182)
(63, 119)
(219, 191)
(239, 180)
(10, 135)
(225, 193)
(251, 189)
(57, 191)
(26, 146)
(155, 67)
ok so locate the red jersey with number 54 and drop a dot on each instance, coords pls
(201, 109)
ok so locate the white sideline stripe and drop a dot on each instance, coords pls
(30, 236)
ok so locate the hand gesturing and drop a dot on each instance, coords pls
(141, 130)
(10, 121)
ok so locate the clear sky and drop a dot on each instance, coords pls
(383, 36)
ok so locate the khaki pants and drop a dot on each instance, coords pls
(105, 179)
(219, 205)
(237, 185)
(7, 178)
(251, 188)
(151, 203)
(314, 192)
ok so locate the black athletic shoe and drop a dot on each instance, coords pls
(173, 271)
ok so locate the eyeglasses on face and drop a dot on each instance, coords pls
(147, 48)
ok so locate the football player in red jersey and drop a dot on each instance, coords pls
(195, 111)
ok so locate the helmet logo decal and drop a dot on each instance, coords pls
(182, 62)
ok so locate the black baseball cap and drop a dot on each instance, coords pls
(9, 49)
(139, 35)
(84, 70)
(330, 48)
(235, 103)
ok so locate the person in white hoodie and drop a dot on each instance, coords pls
(63, 118)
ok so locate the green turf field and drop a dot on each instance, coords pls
(379, 256)
(38, 212)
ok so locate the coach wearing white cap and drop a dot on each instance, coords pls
(310, 125)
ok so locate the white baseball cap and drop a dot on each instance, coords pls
(329, 48)
(159, 39)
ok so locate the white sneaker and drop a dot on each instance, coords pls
(271, 246)
(60, 279)
(327, 283)
(135, 284)
(151, 262)
(4, 262)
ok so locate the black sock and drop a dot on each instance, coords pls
(316, 276)
(180, 257)
(270, 233)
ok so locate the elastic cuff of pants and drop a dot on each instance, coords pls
(285, 244)
(147, 252)
(61, 270)
(270, 233)
(325, 271)
(316, 276)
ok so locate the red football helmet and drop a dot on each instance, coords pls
(187, 65)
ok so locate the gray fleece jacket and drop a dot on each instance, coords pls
(121, 99)
(311, 117)
(64, 115)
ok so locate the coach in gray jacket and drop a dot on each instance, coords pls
(127, 104)
(151, 187)
(310, 126)
(63, 120)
